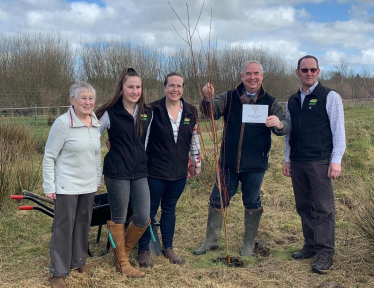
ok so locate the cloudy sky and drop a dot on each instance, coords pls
(328, 29)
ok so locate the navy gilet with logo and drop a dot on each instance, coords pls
(310, 136)
(245, 146)
(126, 158)
(168, 160)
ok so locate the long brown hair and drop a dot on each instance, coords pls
(126, 73)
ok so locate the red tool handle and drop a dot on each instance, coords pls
(25, 208)
(18, 197)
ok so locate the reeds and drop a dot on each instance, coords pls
(364, 216)
(20, 165)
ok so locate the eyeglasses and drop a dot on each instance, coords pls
(84, 99)
(305, 70)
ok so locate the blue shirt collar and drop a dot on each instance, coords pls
(249, 94)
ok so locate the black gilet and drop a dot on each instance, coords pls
(310, 136)
(126, 158)
(168, 160)
(245, 146)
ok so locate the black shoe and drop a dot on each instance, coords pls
(303, 254)
(322, 265)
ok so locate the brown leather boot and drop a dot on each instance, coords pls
(174, 258)
(132, 236)
(57, 282)
(122, 261)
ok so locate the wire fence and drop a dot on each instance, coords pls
(51, 112)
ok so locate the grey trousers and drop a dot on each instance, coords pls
(71, 224)
(123, 192)
(316, 205)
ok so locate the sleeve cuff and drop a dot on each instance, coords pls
(336, 159)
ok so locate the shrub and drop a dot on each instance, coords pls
(20, 166)
(365, 213)
(51, 119)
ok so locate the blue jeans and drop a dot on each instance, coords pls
(168, 193)
(251, 188)
(123, 192)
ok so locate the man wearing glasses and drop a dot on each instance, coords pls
(313, 152)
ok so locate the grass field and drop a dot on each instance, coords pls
(25, 235)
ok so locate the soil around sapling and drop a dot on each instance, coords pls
(234, 261)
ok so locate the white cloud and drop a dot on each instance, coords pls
(86, 14)
(35, 18)
(369, 2)
(79, 13)
(348, 34)
(303, 14)
(3, 15)
(332, 57)
(368, 56)
(270, 18)
(42, 3)
(267, 23)
(85, 11)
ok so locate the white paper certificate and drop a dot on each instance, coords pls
(254, 113)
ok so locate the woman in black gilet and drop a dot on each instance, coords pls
(173, 138)
(127, 120)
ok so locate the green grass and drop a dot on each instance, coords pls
(25, 235)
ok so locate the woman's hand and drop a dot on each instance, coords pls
(51, 196)
(192, 169)
(197, 171)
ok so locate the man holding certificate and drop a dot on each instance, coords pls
(250, 114)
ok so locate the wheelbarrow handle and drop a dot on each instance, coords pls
(36, 208)
(20, 197)
(45, 199)
(25, 207)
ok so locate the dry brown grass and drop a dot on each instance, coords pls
(25, 259)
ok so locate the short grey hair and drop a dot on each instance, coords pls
(80, 86)
(246, 63)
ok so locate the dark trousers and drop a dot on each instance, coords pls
(315, 204)
(251, 188)
(168, 193)
(71, 224)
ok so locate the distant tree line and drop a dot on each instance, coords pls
(37, 69)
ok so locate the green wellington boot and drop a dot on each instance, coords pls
(213, 228)
(251, 223)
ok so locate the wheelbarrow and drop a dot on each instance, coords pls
(101, 213)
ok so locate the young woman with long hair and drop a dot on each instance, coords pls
(127, 119)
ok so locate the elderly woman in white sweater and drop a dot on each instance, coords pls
(72, 174)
